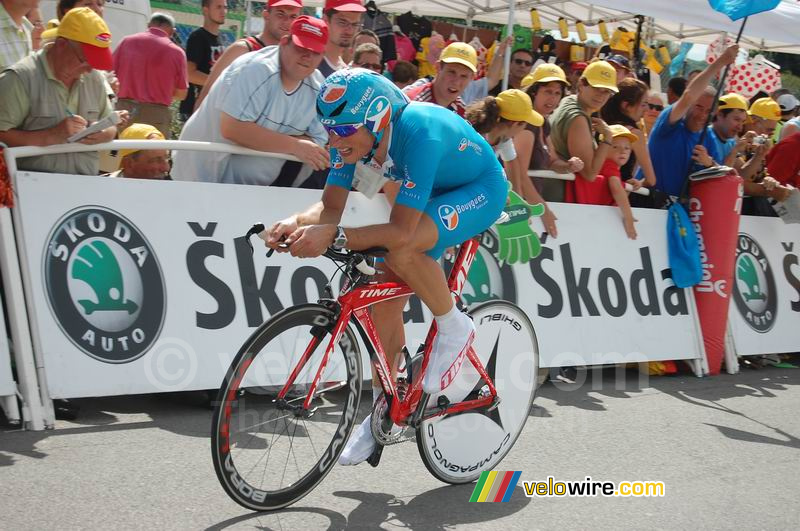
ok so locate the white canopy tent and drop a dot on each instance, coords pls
(673, 20)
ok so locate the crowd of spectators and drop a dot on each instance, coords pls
(593, 119)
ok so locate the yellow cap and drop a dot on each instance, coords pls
(766, 108)
(544, 73)
(138, 132)
(732, 101)
(51, 29)
(461, 53)
(618, 130)
(601, 74)
(515, 105)
(86, 27)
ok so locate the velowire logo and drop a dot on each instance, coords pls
(104, 284)
(754, 288)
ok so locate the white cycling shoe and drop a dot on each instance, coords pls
(448, 354)
(360, 445)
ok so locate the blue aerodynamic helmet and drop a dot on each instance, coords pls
(356, 97)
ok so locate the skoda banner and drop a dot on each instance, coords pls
(141, 286)
(6, 382)
(765, 309)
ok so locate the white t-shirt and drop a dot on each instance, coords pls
(505, 150)
(249, 90)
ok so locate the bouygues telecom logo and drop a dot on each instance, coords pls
(754, 286)
(104, 284)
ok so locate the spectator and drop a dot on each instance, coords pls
(457, 66)
(15, 31)
(368, 56)
(764, 116)
(622, 66)
(203, 48)
(727, 125)
(142, 163)
(499, 119)
(607, 188)
(344, 20)
(34, 16)
(572, 124)
(266, 101)
(40, 112)
(789, 105)
(65, 5)
(575, 72)
(545, 86)
(627, 108)
(693, 74)
(480, 88)
(674, 139)
(404, 73)
(675, 89)
(792, 122)
(783, 161)
(278, 17)
(152, 73)
(655, 104)
(362, 37)
(520, 66)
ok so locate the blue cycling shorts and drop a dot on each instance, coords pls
(466, 211)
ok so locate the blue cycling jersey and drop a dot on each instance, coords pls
(433, 150)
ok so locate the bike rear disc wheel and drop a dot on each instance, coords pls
(457, 448)
(268, 454)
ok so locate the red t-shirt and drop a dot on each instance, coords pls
(597, 192)
(783, 161)
(424, 92)
(150, 67)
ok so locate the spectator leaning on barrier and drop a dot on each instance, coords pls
(368, 56)
(344, 21)
(572, 125)
(203, 48)
(152, 73)
(457, 65)
(15, 31)
(673, 140)
(266, 101)
(278, 17)
(55, 92)
(142, 163)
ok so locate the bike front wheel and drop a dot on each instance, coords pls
(269, 452)
(457, 448)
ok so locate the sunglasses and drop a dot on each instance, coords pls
(372, 66)
(342, 131)
(523, 62)
(655, 107)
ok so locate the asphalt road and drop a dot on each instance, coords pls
(725, 447)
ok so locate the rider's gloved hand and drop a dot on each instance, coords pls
(518, 243)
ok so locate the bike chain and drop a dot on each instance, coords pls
(379, 409)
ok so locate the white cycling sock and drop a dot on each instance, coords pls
(446, 321)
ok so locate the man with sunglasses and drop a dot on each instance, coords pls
(344, 22)
(520, 66)
(265, 101)
(445, 186)
(58, 91)
(278, 16)
(368, 56)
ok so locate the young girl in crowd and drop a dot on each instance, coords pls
(607, 187)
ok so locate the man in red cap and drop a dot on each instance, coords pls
(344, 21)
(57, 92)
(253, 107)
(278, 17)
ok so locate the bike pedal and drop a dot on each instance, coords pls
(442, 402)
(375, 459)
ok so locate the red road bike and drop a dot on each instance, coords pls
(291, 395)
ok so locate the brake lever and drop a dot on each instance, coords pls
(261, 231)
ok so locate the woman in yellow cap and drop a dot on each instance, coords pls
(573, 126)
(499, 119)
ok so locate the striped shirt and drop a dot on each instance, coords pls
(424, 92)
(15, 41)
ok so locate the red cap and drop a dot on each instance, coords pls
(309, 33)
(286, 3)
(578, 66)
(345, 5)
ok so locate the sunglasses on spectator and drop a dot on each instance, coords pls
(655, 107)
(342, 131)
(523, 62)
(343, 24)
(372, 66)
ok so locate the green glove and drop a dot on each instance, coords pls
(518, 243)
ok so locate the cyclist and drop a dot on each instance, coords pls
(445, 186)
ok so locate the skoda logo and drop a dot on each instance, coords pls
(754, 288)
(104, 284)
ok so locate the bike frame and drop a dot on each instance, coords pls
(355, 304)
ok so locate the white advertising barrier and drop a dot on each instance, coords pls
(765, 310)
(140, 286)
(7, 387)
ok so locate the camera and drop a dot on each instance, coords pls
(761, 139)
